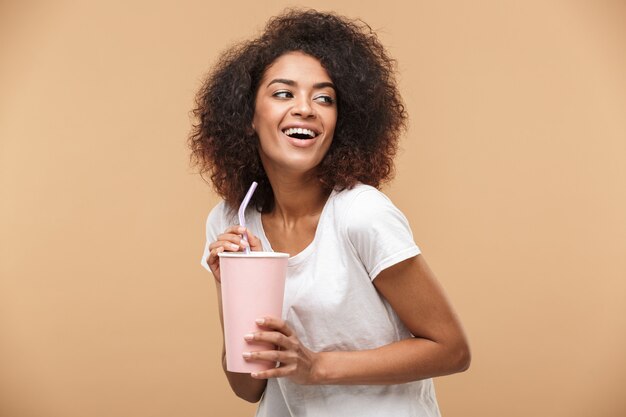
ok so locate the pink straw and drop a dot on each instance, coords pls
(242, 210)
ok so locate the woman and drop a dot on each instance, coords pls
(310, 110)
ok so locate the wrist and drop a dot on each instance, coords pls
(320, 369)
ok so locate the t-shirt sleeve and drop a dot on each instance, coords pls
(379, 232)
(215, 225)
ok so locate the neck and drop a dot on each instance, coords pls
(296, 196)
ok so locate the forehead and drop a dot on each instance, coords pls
(296, 66)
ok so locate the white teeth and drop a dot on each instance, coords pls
(300, 131)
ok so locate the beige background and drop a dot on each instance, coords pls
(513, 176)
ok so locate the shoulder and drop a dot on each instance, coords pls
(376, 229)
(220, 217)
(362, 198)
(362, 204)
(217, 213)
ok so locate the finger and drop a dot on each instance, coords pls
(229, 246)
(214, 263)
(254, 241)
(274, 338)
(235, 230)
(275, 372)
(281, 356)
(213, 258)
(238, 231)
(231, 238)
(276, 324)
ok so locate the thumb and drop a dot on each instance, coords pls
(254, 241)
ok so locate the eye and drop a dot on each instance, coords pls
(324, 99)
(283, 94)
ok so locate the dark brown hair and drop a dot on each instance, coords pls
(371, 115)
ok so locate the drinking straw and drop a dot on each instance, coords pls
(242, 210)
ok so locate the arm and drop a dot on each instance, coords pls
(438, 348)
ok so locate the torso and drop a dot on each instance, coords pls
(330, 301)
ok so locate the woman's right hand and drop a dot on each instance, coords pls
(231, 241)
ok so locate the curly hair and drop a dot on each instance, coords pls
(371, 114)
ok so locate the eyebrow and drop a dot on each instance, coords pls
(293, 83)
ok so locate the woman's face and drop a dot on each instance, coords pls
(295, 113)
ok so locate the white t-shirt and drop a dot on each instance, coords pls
(332, 304)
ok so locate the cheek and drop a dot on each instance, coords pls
(264, 120)
(331, 119)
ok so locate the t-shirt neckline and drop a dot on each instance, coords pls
(304, 253)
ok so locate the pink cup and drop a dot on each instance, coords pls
(253, 286)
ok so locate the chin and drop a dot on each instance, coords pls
(299, 166)
(291, 162)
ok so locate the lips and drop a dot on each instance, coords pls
(301, 137)
(301, 132)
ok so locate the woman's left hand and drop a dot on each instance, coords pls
(296, 361)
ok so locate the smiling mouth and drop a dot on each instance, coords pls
(300, 133)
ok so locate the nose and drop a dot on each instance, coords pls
(302, 107)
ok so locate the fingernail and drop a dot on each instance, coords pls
(243, 243)
(248, 336)
(246, 355)
(254, 374)
(233, 246)
(260, 321)
(241, 229)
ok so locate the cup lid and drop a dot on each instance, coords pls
(253, 254)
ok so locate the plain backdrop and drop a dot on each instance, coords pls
(512, 175)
